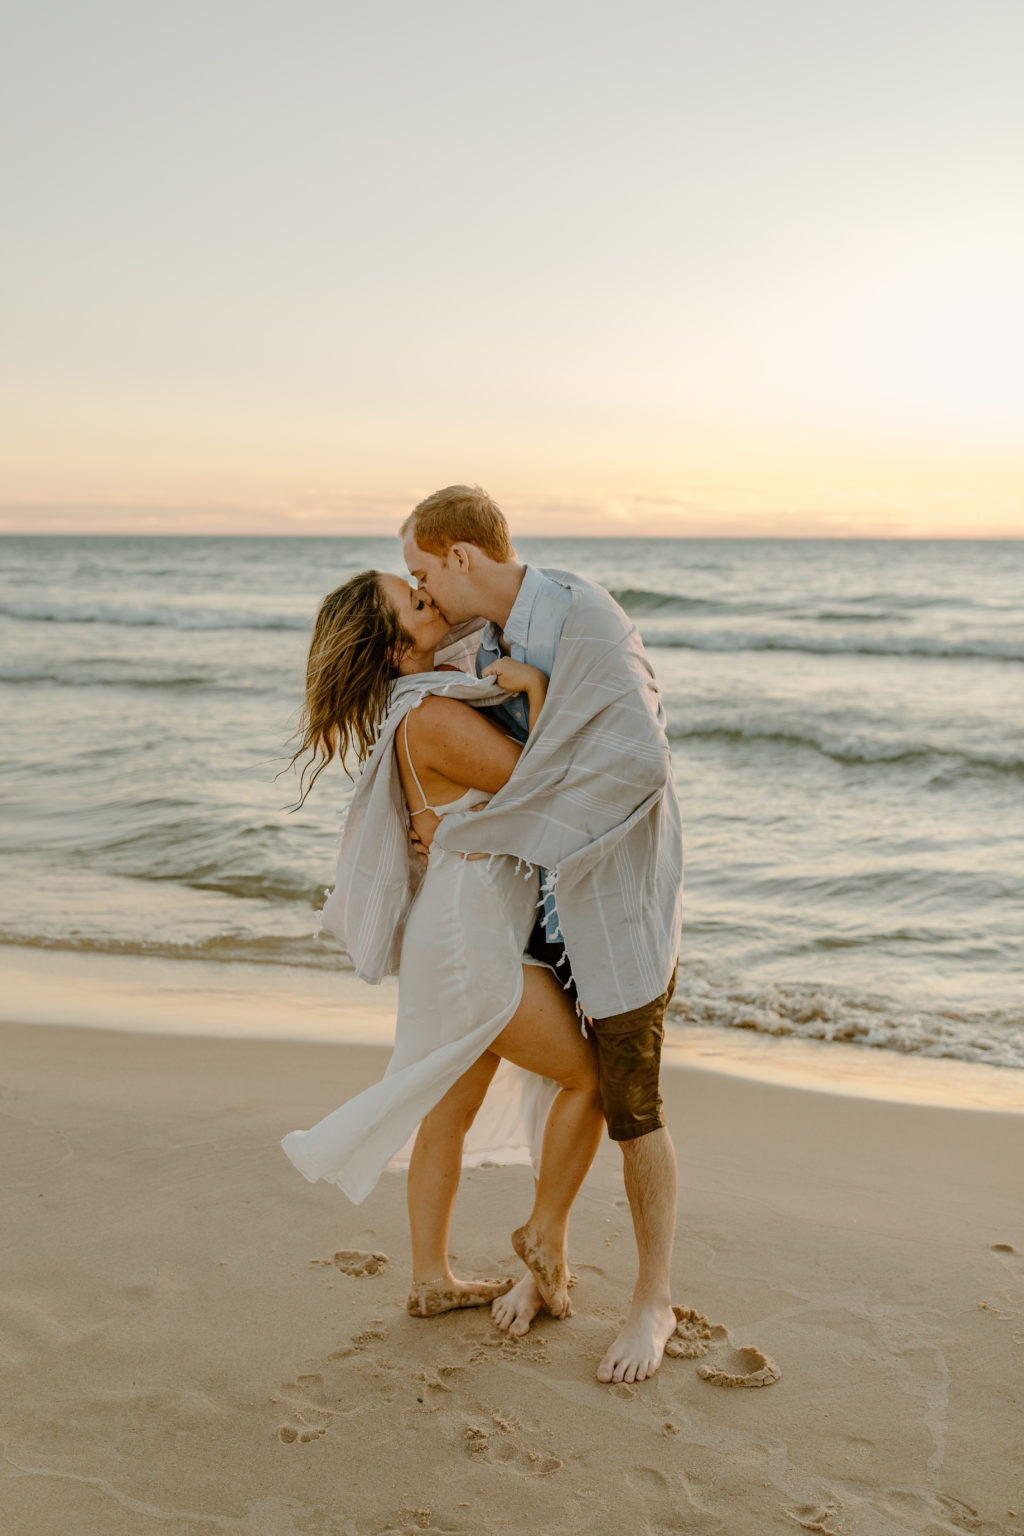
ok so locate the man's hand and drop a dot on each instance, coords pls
(421, 841)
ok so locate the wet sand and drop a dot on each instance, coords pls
(197, 1341)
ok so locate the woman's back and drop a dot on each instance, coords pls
(450, 758)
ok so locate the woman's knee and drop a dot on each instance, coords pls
(580, 1074)
(447, 1121)
(460, 1105)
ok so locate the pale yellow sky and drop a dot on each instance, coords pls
(673, 269)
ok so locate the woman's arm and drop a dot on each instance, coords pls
(458, 743)
(517, 677)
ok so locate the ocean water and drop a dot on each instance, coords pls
(847, 725)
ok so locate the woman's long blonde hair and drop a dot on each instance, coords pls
(350, 671)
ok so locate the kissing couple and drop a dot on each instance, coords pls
(513, 852)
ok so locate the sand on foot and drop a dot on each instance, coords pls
(429, 1298)
(549, 1267)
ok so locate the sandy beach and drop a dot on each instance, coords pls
(197, 1341)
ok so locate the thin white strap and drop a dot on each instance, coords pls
(412, 770)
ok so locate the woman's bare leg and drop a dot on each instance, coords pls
(544, 1036)
(514, 1311)
(433, 1181)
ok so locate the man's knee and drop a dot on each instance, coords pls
(650, 1148)
(629, 1063)
(646, 1144)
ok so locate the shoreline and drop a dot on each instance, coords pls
(234, 1000)
(191, 1346)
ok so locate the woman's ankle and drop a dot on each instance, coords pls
(439, 1273)
(550, 1229)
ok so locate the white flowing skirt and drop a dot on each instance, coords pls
(460, 981)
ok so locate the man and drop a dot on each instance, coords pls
(592, 803)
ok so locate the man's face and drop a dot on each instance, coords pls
(444, 579)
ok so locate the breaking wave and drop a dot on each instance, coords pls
(852, 749)
(833, 645)
(815, 1013)
(152, 616)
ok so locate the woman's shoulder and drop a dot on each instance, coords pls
(436, 714)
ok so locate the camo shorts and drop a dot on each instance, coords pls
(628, 1066)
(628, 1050)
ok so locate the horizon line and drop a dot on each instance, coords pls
(609, 538)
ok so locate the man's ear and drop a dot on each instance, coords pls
(459, 557)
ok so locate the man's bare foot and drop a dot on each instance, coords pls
(516, 1310)
(429, 1298)
(548, 1266)
(636, 1353)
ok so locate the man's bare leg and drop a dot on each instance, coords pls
(649, 1169)
(434, 1171)
(544, 1036)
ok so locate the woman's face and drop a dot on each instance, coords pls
(417, 615)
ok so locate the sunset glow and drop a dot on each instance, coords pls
(739, 270)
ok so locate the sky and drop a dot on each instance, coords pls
(743, 267)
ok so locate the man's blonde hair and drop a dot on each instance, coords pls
(460, 514)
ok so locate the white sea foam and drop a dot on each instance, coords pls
(816, 1013)
(152, 615)
(980, 648)
(868, 748)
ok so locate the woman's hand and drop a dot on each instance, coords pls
(514, 676)
(517, 677)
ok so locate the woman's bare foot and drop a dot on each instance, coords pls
(548, 1266)
(636, 1353)
(429, 1298)
(516, 1310)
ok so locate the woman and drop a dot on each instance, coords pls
(472, 1010)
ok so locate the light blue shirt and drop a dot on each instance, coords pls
(532, 632)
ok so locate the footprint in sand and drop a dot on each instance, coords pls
(439, 1380)
(745, 1367)
(695, 1337)
(368, 1336)
(946, 1512)
(813, 1517)
(309, 1420)
(359, 1262)
(507, 1455)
